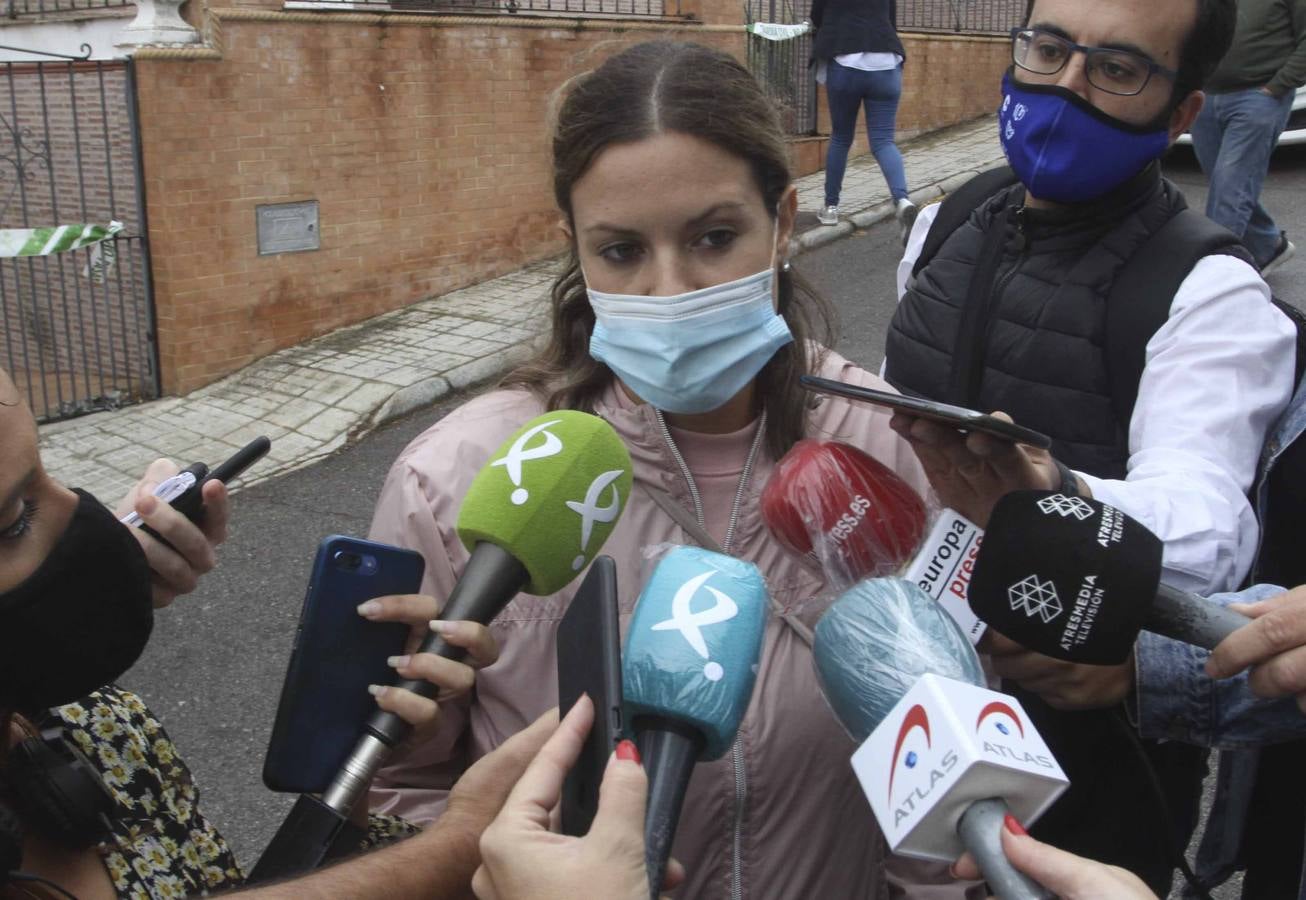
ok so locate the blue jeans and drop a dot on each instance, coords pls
(847, 90)
(1233, 137)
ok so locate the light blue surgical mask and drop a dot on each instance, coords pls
(692, 352)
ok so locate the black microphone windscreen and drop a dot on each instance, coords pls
(1069, 577)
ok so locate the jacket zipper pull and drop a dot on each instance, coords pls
(1020, 240)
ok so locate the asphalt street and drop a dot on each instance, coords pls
(213, 670)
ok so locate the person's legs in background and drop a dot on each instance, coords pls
(885, 90)
(1233, 138)
(844, 91)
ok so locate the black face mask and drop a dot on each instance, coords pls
(81, 619)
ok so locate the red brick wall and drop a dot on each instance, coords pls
(426, 148)
(947, 79)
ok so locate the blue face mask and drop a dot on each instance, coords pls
(692, 352)
(1066, 150)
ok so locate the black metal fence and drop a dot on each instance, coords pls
(969, 16)
(781, 66)
(76, 328)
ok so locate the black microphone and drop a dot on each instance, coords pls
(1076, 579)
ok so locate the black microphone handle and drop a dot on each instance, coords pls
(980, 829)
(1192, 619)
(669, 750)
(492, 577)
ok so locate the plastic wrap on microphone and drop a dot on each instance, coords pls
(876, 641)
(844, 510)
(693, 644)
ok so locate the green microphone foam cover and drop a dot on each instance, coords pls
(550, 496)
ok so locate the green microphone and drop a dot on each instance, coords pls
(534, 517)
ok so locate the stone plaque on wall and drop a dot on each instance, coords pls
(287, 227)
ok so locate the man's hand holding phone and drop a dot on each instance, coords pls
(971, 471)
(454, 679)
(187, 549)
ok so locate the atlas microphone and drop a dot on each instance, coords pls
(1076, 579)
(533, 518)
(857, 519)
(688, 671)
(942, 759)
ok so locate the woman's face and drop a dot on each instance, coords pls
(34, 508)
(671, 214)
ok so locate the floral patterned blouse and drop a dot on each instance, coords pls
(161, 845)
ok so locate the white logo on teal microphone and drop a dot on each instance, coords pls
(691, 624)
(519, 453)
(590, 511)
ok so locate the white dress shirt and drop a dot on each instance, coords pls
(1217, 375)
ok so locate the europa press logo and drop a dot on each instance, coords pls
(916, 718)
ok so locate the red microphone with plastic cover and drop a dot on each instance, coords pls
(844, 509)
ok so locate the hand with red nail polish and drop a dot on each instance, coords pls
(521, 858)
(1070, 877)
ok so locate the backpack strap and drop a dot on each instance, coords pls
(1144, 289)
(957, 207)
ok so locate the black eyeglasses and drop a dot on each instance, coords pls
(1114, 71)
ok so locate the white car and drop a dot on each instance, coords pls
(1295, 133)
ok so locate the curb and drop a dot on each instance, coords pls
(863, 219)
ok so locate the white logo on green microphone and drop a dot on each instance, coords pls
(690, 624)
(519, 453)
(590, 511)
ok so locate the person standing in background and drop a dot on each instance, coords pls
(1248, 102)
(859, 59)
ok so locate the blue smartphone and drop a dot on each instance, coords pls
(337, 654)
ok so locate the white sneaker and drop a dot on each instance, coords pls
(906, 215)
(829, 215)
(1286, 249)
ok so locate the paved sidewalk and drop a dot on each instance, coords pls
(312, 399)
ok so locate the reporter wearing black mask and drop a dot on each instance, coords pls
(95, 801)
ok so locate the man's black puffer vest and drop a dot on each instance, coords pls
(1044, 359)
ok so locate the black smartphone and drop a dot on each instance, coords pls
(589, 662)
(957, 417)
(337, 654)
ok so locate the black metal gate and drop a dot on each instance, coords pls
(76, 328)
(781, 66)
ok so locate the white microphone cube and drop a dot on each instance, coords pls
(945, 745)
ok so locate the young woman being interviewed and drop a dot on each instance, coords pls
(677, 320)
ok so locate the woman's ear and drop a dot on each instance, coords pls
(565, 227)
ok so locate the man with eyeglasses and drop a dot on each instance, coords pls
(1008, 306)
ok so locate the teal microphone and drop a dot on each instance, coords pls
(687, 673)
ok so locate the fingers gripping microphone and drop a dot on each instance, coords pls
(942, 758)
(688, 672)
(1075, 579)
(844, 509)
(533, 518)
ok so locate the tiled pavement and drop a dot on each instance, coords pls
(312, 399)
